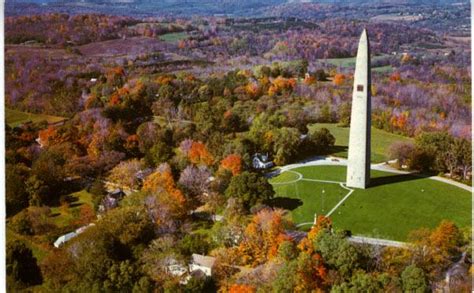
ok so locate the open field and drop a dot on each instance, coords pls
(39, 250)
(396, 17)
(381, 141)
(351, 61)
(394, 205)
(173, 37)
(65, 216)
(15, 117)
(122, 47)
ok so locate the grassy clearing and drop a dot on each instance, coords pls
(174, 37)
(349, 61)
(64, 215)
(15, 117)
(380, 142)
(392, 207)
(383, 69)
(39, 250)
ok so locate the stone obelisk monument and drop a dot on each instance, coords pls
(358, 165)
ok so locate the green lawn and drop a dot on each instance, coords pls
(15, 117)
(64, 216)
(394, 205)
(380, 142)
(350, 62)
(174, 37)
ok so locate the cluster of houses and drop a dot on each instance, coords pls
(116, 193)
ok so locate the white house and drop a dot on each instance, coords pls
(64, 238)
(260, 161)
(202, 263)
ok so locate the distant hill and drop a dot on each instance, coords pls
(140, 8)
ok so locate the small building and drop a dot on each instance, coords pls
(143, 174)
(111, 200)
(261, 161)
(202, 263)
(66, 237)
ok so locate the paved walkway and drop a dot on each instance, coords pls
(377, 241)
(452, 182)
(299, 235)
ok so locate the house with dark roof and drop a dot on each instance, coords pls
(261, 161)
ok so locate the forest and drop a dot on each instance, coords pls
(173, 123)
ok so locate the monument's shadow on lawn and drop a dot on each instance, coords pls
(390, 179)
(286, 203)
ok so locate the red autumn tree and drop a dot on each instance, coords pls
(395, 76)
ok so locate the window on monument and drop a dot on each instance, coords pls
(360, 88)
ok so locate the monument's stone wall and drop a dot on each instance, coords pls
(358, 167)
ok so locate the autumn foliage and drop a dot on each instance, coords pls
(280, 85)
(198, 154)
(232, 163)
(241, 288)
(339, 79)
(162, 184)
(46, 135)
(263, 236)
(395, 76)
(322, 223)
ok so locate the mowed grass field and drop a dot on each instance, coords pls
(15, 117)
(392, 207)
(380, 142)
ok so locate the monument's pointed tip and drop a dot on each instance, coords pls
(364, 37)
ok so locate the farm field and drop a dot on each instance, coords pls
(392, 207)
(380, 143)
(15, 117)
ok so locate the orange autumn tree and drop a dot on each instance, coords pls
(233, 163)
(198, 154)
(339, 79)
(241, 288)
(46, 135)
(162, 185)
(263, 236)
(322, 223)
(281, 84)
(400, 121)
(312, 273)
